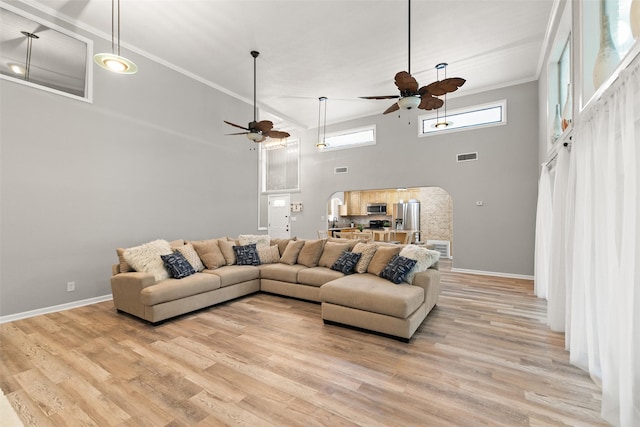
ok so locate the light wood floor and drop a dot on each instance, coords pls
(482, 357)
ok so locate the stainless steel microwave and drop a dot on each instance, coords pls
(376, 208)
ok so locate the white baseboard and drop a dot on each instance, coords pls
(55, 308)
(492, 273)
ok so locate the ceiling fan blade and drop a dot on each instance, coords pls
(391, 109)
(449, 85)
(235, 125)
(405, 82)
(429, 102)
(380, 97)
(239, 133)
(276, 134)
(263, 126)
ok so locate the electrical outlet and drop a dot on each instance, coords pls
(71, 286)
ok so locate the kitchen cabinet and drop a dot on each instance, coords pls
(353, 200)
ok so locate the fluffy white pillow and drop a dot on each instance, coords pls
(259, 239)
(424, 257)
(146, 258)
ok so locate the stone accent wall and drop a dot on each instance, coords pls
(436, 215)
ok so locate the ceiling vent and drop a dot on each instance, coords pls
(340, 169)
(467, 157)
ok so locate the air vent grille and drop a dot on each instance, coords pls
(467, 157)
(340, 169)
(442, 246)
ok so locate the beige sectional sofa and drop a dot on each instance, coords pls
(362, 299)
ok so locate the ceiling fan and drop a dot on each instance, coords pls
(258, 131)
(411, 96)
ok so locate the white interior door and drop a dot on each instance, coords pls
(279, 216)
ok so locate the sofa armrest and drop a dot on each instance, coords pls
(126, 288)
(429, 280)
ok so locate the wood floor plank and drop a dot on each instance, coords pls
(483, 357)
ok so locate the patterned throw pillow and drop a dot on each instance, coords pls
(346, 263)
(269, 254)
(367, 250)
(177, 265)
(247, 254)
(397, 269)
(191, 255)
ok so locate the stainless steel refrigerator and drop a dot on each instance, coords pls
(406, 216)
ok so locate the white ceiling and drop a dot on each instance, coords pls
(310, 48)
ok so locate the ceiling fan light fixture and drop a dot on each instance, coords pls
(409, 102)
(254, 136)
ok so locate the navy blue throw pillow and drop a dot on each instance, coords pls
(247, 255)
(177, 265)
(347, 262)
(397, 269)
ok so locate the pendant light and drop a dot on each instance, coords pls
(321, 144)
(113, 61)
(27, 63)
(443, 124)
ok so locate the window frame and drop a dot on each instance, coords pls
(346, 132)
(502, 104)
(264, 168)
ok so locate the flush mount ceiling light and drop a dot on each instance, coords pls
(113, 61)
(321, 140)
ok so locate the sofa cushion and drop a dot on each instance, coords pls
(226, 247)
(173, 289)
(269, 254)
(397, 269)
(247, 254)
(282, 243)
(424, 257)
(146, 258)
(209, 252)
(259, 239)
(382, 257)
(317, 276)
(346, 264)
(281, 272)
(234, 274)
(367, 250)
(350, 242)
(372, 293)
(310, 253)
(177, 265)
(331, 252)
(123, 265)
(189, 252)
(290, 255)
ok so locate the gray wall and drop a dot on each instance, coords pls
(148, 159)
(497, 237)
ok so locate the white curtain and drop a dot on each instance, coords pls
(543, 232)
(602, 232)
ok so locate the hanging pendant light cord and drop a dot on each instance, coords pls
(324, 126)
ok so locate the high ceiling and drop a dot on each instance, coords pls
(310, 48)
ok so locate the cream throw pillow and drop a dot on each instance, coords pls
(310, 253)
(382, 257)
(268, 254)
(331, 252)
(146, 258)
(191, 256)
(367, 250)
(259, 239)
(424, 257)
(226, 247)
